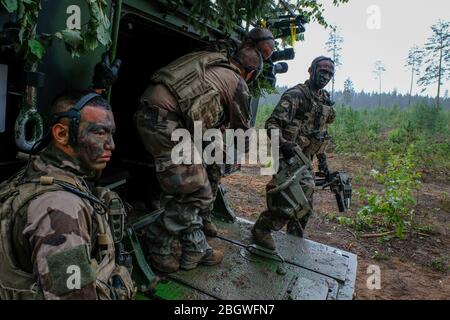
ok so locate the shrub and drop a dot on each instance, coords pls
(399, 136)
(263, 114)
(393, 206)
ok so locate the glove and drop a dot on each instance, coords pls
(105, 73)
(287, 149)
(323, 166)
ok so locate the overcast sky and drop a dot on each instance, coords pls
(403, 23)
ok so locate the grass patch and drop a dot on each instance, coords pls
(440, 264)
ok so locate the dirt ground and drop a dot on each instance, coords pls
(416, 267)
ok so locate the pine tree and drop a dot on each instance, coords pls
(378, 71)
(349, 91)
(414, 62)
(334, 47)
(437, 52)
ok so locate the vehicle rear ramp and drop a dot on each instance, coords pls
(301, 270)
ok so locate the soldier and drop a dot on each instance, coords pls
(202, 86)
(56, 227)
(302, 116)
(262, 39)
(259, 38)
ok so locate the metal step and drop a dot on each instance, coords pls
(311, 271)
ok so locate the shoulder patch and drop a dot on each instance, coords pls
(70, 270)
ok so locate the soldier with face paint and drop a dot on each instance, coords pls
(60, 242)
(261, 39)
(302, 116)
(204, 86)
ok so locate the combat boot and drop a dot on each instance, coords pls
(190, 260)
(262, 236)
(166, 263)
(209, 228)
(295, 228)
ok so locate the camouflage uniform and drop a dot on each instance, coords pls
(298, 115)
(201, 86)
(50, 232)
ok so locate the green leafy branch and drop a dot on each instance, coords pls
(393, 206)
(32, 46)
(96, 31)
(227, 14)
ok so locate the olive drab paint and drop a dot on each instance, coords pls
(3, 92)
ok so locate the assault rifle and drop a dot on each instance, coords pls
(319, 136)
(340, 183)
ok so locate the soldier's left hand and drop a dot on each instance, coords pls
(105, 72)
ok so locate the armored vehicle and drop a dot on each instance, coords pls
(147, 35)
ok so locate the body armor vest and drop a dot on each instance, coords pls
(309, 129)
(15, 195)
(197, 99)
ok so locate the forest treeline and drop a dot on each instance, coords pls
(403, 146)
(362, 99)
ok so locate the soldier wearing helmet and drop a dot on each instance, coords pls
(302, 115)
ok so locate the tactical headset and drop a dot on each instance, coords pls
(255, 41)
(74, 114)
(249, 69)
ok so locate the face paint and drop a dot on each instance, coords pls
(266, 48)
(248, 76)
(95, 138)
(324, 72)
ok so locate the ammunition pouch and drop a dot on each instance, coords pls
(122, 283)
(116, 214)
(116, 273)
(318, 142)
(116, 221)
(119, 285)
(318, 136)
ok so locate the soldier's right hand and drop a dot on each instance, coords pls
(287, 149)
(323, 165)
